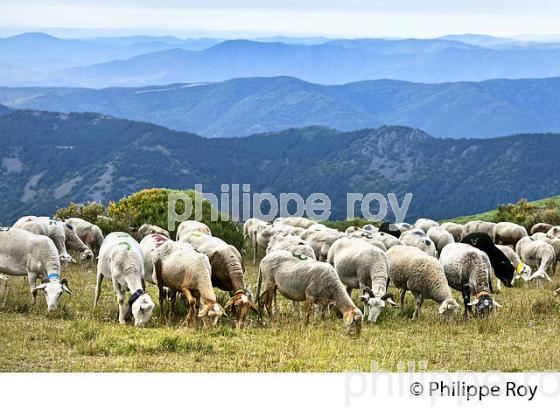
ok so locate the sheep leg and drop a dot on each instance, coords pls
(270, 295)
(255, 252)
(172, 298)
(120, 301)
(192, 304)
(97, 289)
(466, 300)
(307, 309)
(419, 299)
(402, 295)
(32, 279)
(3, 293)
(490, 285)
(297, 310)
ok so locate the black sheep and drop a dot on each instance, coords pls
(503, 268)
(390, 229)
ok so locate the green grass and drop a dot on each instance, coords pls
(489, 215)
(524, 335)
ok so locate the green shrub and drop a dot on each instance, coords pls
(149, 206)
(343, 225)
(528, 214)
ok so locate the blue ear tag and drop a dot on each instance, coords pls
(53, 276)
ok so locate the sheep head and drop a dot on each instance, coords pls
(53, 289)
(242, 303)
(376, 304)
(449, 309)
(210, 314)
(353, 321)
(142, 310)
(484, 304)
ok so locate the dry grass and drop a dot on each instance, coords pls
(524, 335)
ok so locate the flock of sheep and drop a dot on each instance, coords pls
(305, 261)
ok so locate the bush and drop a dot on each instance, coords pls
(527, 214)
(149, 206)
(343, 225)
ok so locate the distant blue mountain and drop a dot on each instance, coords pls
(250, 105)
(39, 59)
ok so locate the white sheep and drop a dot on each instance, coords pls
(308, 281)
(121, 261)
(411, 269)
(364, 266)
(522, 270)
(24, 253)
(417, 238)
(454, 229)
(190, 226)
(180, 268)
(539, 255)
(440, 236)
(425, 224)
(467, 270)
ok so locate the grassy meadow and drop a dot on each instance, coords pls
(523, 336)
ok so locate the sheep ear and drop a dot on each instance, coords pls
(364, 297)
(392, 302)
(65, 287)
(496, 304)
(474, 302)
(42, 286)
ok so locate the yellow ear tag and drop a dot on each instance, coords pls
(520, 267)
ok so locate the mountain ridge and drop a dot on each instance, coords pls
(55, 158)
(241, 107)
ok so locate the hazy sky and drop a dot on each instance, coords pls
(342, 18)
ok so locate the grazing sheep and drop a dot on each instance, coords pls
(388, 240)
(190, 226)
(503, 268)
(411, 269)
(553, 240)
(364, 266)
(49, 228)
(507, 233)
(295, 221)
(90, 234)
(454, 229)
(392, 229)
(538, 255)
(540, 227)
(290, 243)
(403, 226)
(440, 236)
(180, 268)
(149, 244)
(467, 270)
(23, 253)
(413, 231)
(308, 281)
(352, 229)
(121, 261)
(227, 271)
(478, 227)
(320, 241)
(522, 270)
(148, 229)
(372, 238)
(554, 231)
(425, 224)
(420, 241)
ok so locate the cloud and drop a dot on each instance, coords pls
(405, 18)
